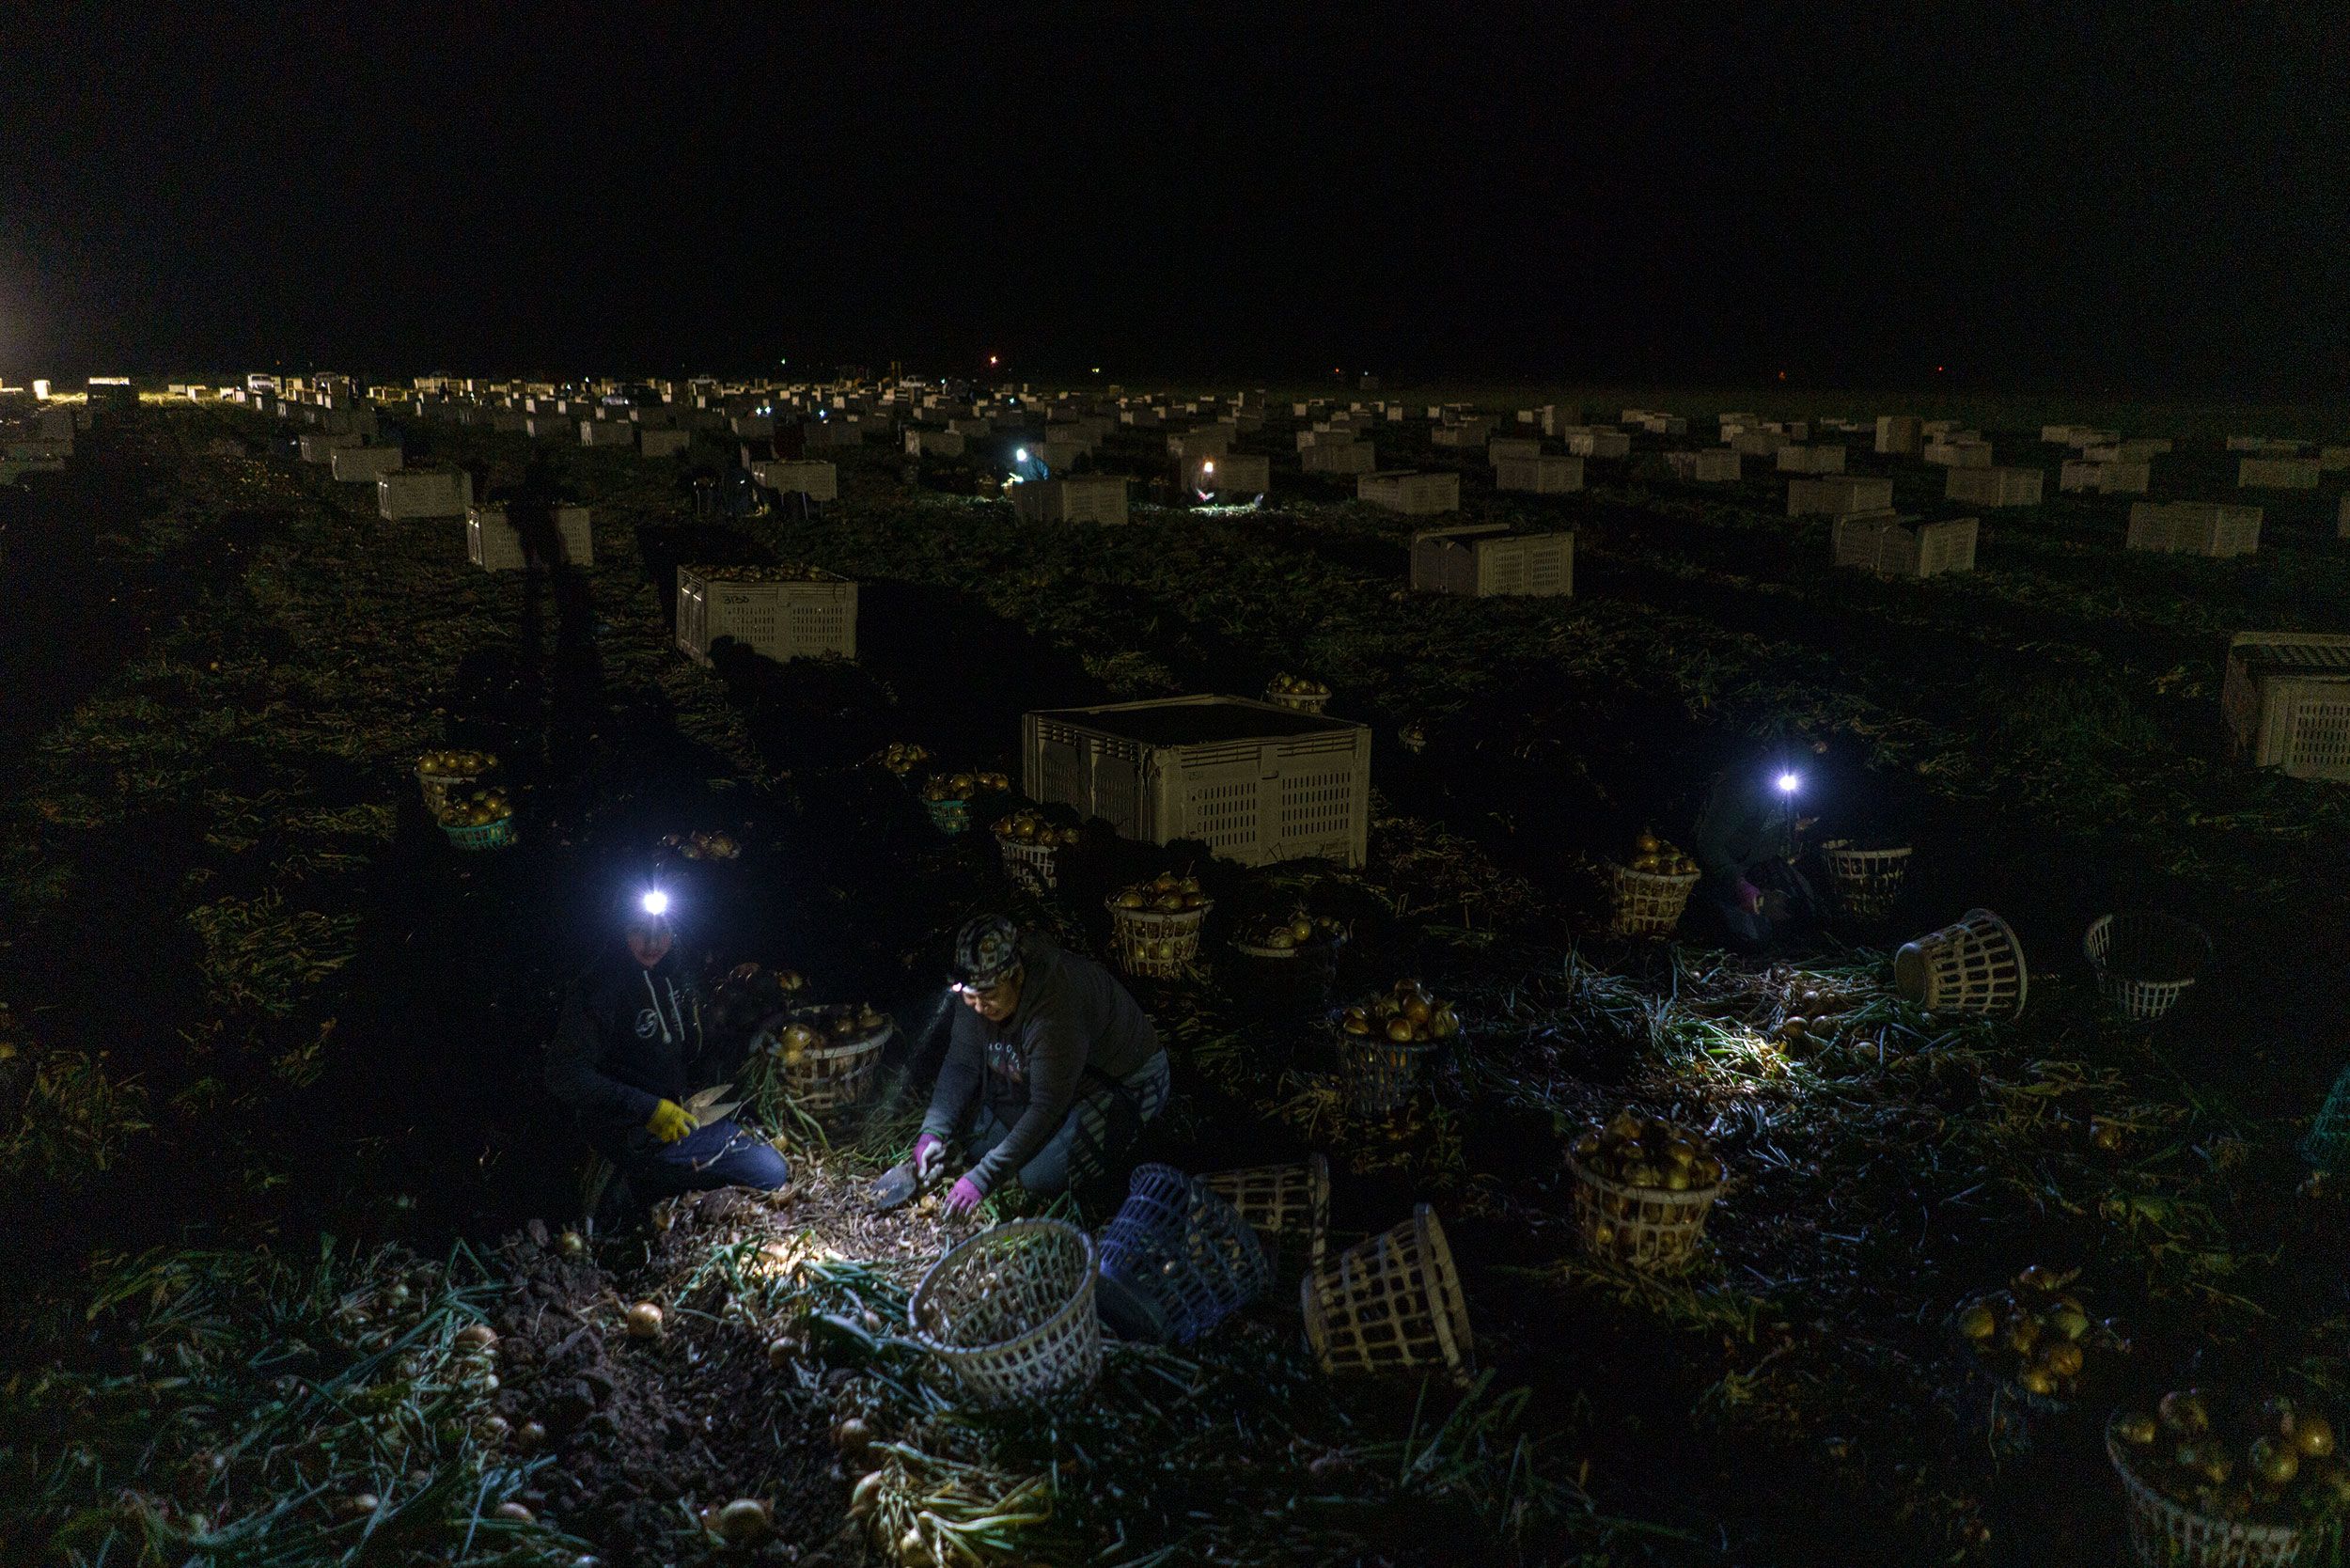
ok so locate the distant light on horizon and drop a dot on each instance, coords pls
(1789, 783)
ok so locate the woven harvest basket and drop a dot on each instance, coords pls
(1380, 1075)
(1646, 904)
(2327, 1145)
(489, 836)
(436, 786)
(1287, 1205)
(1300, 702)
(1391, 1304)
(1647, 1228)
(1865, 880)
(1976, 965)
(2164, 1534)
(1011, 1312)
(1028, 864)
(2146, 961)
(1176, 1241)
(1156, 943)
(949, 817)
(834, 1075)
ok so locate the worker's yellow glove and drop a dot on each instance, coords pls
(668, 1121)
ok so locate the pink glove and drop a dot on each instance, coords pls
(927, 1151)
(965, 1197)
(1750, 896)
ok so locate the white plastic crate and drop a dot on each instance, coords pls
(1590, 442)
(2106, 477)
(1995, 487)
(1340, 457)
(922, 440)
(1512, 447)
(814, 479)
(1413, 494)
(1233, 474)
(494, 545)
(1203, 440)
(1899, 547)
(1958, 454)
(1258, 783)
(607, 433)
(366, 465)
(1839, 495)
(321, 446)
(662, 444)
(424, 493)
(1757, 443)
(781, 618)
(2287, 702)
(1078, 498)
(1810, 460)
(2277, 473)
(1900, 434)
(2194, 529)
(1490, 560)
(1545, 475)
(1714, 465)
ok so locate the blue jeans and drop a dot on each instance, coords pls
(721, 1154)
(1101, 1122)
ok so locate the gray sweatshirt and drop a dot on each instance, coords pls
(1072, 1014)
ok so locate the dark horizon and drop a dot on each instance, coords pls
(2154, 207)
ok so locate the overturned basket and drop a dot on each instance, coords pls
(1011, 1312)
(1646, 904)
(1391, 1304)
(2164, 1534)
(834, 1073)
(1287, 1205)
(1975, 965)
(2146, 961)
(1156, 943)
(491, 835)
(1865, 880)
(1178, 1244)
(949, 817)
(1654, 1229)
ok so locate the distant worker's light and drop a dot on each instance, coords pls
(1789, 783)
(655, 902)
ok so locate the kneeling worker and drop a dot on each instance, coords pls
(631, 1050)
(1051, 1068)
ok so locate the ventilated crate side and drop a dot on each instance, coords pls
(1810, 460)
(2194, 527)
(1240, 473)
(1947, 545)
(1995, 487)
(1588, 442)
(1900, 434)
(2277, 473)
(1548, 475)
(1489, 561)
(1415, 495)
(816, 480)
(320, 447)
(1339, 457)
(1839, 495)
(494, 545)
(1512, 447)
(662, 444)
(2287, 700)
(781, 621)
(413, 493)
(366, 465)
(607, 433)
(1288, 795)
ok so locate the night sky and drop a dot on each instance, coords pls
(2159, 204)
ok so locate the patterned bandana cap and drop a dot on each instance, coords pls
(986, 949)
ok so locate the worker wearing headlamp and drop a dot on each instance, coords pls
(631, 1050)
(1050, 1069)
(1745, 842)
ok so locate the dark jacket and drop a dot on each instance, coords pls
(1072, 1015)
(1743, 825)
(629, 1039)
